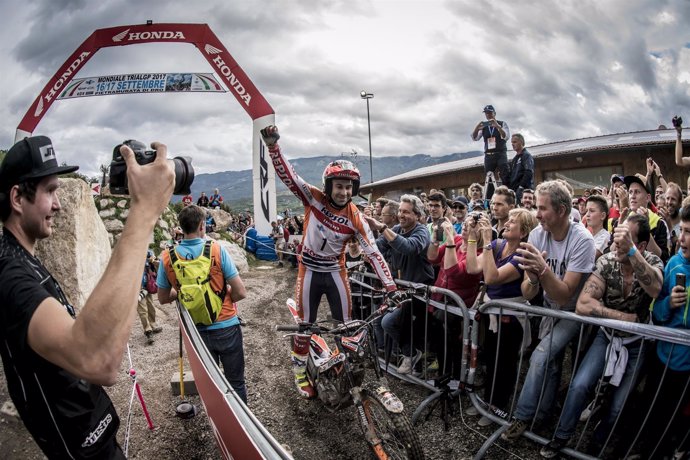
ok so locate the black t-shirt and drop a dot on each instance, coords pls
(68, 417)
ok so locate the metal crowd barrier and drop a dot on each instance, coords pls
(646, 331)
(237, 431)
(370, 297)
(442, 387)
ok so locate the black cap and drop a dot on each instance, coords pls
(489, 108)
(477, 204)
(616, 178)
(30, 158)
(629, 180)
(461, 200)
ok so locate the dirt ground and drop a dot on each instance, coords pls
(310, 431)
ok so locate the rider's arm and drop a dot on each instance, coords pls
(286, 173)
(370, 248)
(680, 160)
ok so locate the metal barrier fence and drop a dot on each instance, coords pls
(506, 363)
(645, 334)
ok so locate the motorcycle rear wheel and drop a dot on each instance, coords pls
(391, 434)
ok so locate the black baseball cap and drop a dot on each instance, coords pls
(477, 204)
(30, 158)
(616, 178)
(489, 108)
(629, 180)
(461, 200)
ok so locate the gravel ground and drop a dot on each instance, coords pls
(310, 431)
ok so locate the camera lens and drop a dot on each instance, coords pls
(184, 175)
(184, 172)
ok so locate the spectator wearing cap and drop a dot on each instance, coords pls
(495, 134)
(638, 197)
(460, 205)
(521, 167)
(55, 361)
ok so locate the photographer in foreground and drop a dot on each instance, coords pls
(55, 361)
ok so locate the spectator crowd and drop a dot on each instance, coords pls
(618, 251)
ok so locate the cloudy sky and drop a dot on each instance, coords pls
(553, 70)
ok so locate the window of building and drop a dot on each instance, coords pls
(586, 178)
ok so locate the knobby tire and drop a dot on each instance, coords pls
(398, 438)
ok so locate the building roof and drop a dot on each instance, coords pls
(584, 145)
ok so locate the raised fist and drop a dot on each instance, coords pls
(270, 135)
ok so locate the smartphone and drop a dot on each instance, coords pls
(439, 234)
(680, 280)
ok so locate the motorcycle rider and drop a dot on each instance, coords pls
(330, 221)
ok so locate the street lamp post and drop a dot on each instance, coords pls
(367, 96)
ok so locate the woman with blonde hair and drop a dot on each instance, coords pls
(503, 277)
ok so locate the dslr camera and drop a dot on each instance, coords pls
(677, 122)
(184, 172)
(476, 215)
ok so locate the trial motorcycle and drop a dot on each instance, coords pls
(347, 373)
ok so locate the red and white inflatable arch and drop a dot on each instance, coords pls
(238, 83)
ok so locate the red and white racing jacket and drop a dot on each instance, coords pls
(328, 229)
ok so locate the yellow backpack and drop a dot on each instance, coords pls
(200, 283)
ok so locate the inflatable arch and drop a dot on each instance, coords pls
(238, 83)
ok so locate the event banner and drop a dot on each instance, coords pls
(141, 83)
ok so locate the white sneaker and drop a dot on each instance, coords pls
(472, 411)
(408, 363)
(484, 421)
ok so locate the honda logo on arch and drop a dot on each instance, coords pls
(148, 35)
(210, 49)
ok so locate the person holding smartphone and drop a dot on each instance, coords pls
(667, 419)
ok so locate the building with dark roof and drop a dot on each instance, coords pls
(584, 163)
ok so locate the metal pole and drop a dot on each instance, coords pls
(371, 162)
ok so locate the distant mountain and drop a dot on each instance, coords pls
(236, 186)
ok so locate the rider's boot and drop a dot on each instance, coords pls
(299, 355)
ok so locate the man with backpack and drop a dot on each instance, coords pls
(203, 277)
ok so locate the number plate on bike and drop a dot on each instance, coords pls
(339, 358)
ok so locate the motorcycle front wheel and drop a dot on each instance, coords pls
(390, 435)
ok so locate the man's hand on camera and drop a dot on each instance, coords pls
(270, 135)
(150, 185)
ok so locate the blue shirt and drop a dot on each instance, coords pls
(191, 249)
(678, 356)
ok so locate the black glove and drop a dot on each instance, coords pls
(270, 135)
(395, 297)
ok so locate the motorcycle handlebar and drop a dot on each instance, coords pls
(287, 328)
